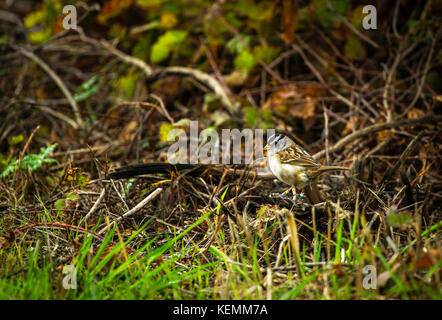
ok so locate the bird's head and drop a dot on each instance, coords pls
(276, 143)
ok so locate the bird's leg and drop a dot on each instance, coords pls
(280, 195)
(297, 196)
(292, 188)
(286, 192)
(301, 196)
(294, 193)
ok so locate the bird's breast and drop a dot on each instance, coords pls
(291, 174)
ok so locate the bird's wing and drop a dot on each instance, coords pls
(297, 156)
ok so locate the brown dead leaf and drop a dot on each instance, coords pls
(4, 242)
(314, 91)
(268, 213)
(339, 270)
(41, 93)
(352, 124)
(303, 110)
(415, 113)
(58, 25)
(112, 8)
(426, 150)
(280, 97)
(128, 133)
(428, 259)
(293, 101)
(383, 135)
(168, 88)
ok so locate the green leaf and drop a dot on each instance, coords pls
(267, 117)
(39, 37)
(31, 162)
(340, 6)
(238, 43)
(86, 89)
(129, 185)
(165, 44)
(44, 19)
(251, 116)
(11, 167)
(4, 39)
(16, 139)
(356, 17)
(412, 24)
(398, 219)
(150, 3)
(141, 49)
(159, 52)
(127, 84)
(34, 18)
(59, 204)
(354, 48)
(325, 16)
(245, 61)
(47, 151)
(117, 31)
(266, 53)
(262, 10)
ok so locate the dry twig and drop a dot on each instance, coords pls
(375, 128)
(135, 209)
(57, 80)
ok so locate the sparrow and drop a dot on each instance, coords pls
(294, 166)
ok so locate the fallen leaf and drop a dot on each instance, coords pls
(352, 125)
(428, 259)
(382, 135)
(294, 102)
(415, 113)
(112, 8)
(303, 110)
(128, 133)
(165, 128)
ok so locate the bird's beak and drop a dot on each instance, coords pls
(267, 147)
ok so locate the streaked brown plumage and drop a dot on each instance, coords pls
(291, 164)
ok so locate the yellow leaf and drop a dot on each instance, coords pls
(168, 20)
(165, 128)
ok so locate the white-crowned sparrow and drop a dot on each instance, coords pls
(291, 164)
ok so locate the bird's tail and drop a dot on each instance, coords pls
(332, 168)
(149, 168)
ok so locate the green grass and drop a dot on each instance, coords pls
(109, 273)
(107, 270)
(216, 256)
